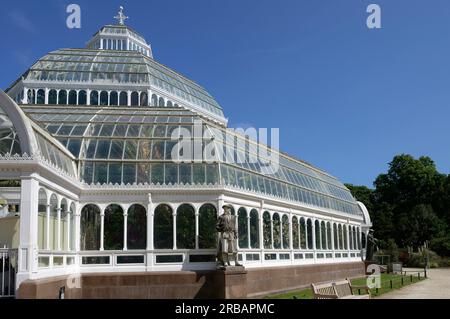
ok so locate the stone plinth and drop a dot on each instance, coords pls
(231, 283)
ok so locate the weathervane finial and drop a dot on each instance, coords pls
(121, 17)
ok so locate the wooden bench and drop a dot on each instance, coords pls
(338, 290)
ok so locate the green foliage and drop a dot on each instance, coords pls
(409, 204)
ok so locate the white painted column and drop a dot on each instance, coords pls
(271, 229)
(291, 229)
(88, 97)
(69, 233)
(333, 248)
(77, 227)
(313, 228)
(248, 229)
(25, 96)
(129, 97)
(28, 236)
(47, 226)
(174, 229)
(58, 236)
(261, 227)
(46, 96)
(197, 228)
(150, 223)
(125, 231)
(149, 97)
(102, 229)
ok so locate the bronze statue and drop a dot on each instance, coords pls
(371, 246)
(226, 226)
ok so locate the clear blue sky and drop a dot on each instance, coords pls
(346, 98)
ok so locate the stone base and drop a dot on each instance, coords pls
(231, 283)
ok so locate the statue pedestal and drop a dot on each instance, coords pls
(231, 282)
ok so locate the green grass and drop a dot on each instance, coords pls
(385, 287)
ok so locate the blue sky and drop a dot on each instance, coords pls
(346, 98)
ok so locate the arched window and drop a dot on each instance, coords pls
(207, 238)
(254, 229)
(303, 243)
(114, 98)
(358, 233)
(123, 99)
(53, 228)
(323, 234)
(42, 218)
(82, 97)
(329, 238)
(104, 98)
(73, 97)
(276, 231)
(163, 227)
(363, 240)
(185, 227)
(72, 228)
(336, 234)
(341, 237)
(161, 102)
(52, 97)
(154, 100)
(40, 98)
(113, 227)
(62, 97)
(64, 224)
(310, 234)
(90, 228)
(94, 98)
(135, 99)
(295, 233)
(137, 227)
(144, 99)
(345, 237)
(317, 234)
(285, 237)
(350, 237)
(31, 96)
(169, 104)
(243, 228)
(267, 230)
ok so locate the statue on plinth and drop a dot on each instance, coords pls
(371, 246)
(227, 246)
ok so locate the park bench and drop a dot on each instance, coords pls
(338, 290)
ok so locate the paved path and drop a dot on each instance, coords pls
(437, 286)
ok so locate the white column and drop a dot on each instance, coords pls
(58, 236)
(68, 234)
(46, 96)
(197, 228)
(77, 227)
(291, 229)
(149, 223)
(125, 230)
(129, 97)
(313, 224)
(47, 227)
(174, 229)
(88, 97)
(261, 228)
(25, 96)
(332, 237)
(102, 230)
(28, 237)
(271, 229)
(248, 228)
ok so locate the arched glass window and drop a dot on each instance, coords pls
(358, 234)
(295, 233)
(243, 228)
(276, 231)
(135, 99)
(52, 97)
(73, 97)
(169, 104)
(82, 97)
(329, 238)
(90, 228)
(207, 220)
(363, 240)
(144, 99)
(123, 99)
(336, 234)
(62, 97)
(42, 218)
(254, 229)
(341, 237)
(161, 102)
(94, 98)
(53, 229)
(40, 99)
(267, 230)
(317, 234)
(31, 96)
(323, 235)
(154, 100)
(64, 224)
(285, 237)
(72, 227)
(303, 244)
(163, 227)
(345, 237)
(350, 237)
(113, 227)
(104, 98)
(310, 234)
(185, 227)
(114, 98)
(137, 227)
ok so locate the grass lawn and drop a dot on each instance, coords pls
(385, 286)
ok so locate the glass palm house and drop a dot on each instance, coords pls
(88, 137)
